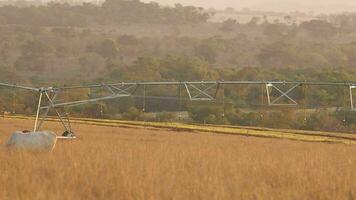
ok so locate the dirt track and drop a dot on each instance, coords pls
(127, 163)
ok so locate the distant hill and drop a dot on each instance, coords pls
(324, 6)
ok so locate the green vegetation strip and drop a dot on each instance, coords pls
(307, 136)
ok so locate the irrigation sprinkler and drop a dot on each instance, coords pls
(195, 91)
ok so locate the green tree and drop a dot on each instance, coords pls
(208, 49)
(275, 31)
(228, 25)
(319, 29)
(207, 114)
(185, 68)
(36, 48)
(35, 55)
(108, 48)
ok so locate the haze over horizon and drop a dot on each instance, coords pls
(317, 6)
(320, 6)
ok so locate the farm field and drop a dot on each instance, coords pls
(108, 162)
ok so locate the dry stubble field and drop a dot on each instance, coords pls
(127, 163)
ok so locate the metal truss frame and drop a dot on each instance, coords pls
(282, 94)
(196, 91)
(43, 111)
(201, 91)
(114, 93)
(51, 94)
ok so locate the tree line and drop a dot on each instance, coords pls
(61, 44)
(111, 12)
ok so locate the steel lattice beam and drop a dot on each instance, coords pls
(15, 86)
(196, 91)
(316, 83)
(201, 92)
(282, 94)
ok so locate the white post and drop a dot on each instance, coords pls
(351, 97)
(268, 86)
(38, 112)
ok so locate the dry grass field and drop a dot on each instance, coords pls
(151, 163)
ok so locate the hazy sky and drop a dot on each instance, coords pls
(273, 5)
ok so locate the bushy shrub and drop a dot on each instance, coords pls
(165, 117)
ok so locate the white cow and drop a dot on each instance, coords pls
(32, 141)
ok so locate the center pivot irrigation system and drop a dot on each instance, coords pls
(195, 91)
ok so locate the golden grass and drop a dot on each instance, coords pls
(308, 136)
(146, 163)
